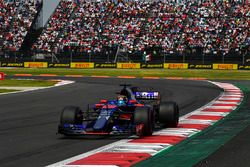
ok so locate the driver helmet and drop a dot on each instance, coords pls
(122, 100)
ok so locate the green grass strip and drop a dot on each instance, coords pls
(7, 90)
(26, 83)
(210, 74)
(198, 147)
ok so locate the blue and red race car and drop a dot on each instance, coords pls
(132, 112)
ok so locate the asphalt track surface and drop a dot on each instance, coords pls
(28, 121)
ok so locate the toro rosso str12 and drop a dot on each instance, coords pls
(132, 112)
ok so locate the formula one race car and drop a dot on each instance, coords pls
(132, 112)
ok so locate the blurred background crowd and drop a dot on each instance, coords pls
(134, 26)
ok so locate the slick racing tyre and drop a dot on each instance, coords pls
(71, 115)
(169, 114)
(143, 118)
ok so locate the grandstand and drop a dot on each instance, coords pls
(130, 30)
(17, 16)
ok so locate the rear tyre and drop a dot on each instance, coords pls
(71, 115)
(144, 116)
(169, 114)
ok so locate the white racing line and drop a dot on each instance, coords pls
(27, 89)
(128, 152)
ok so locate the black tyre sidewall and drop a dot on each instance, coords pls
(71, 115)
(143, 115)
(169, 114)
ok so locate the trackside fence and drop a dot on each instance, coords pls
(92, 65)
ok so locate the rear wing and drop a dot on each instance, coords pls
(147, 95)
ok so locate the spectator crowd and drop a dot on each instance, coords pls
(16, 18)
(56, 24)
(215, 26)
(90, 26)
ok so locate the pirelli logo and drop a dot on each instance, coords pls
(176, 65)
(82, 65)
(129, 65)
(35, 64)
(225, 66)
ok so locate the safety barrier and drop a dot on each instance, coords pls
(81, 65)
(225, 66)
(36, 64)
(129, 65)
(59, 65)
(91, 65)
(176, 65)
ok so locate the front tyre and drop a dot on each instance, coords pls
(71, 115)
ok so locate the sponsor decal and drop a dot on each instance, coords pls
(176, 65)
(35, 64)
(129, 65)
(1, 76)
(225, 66)
(151, 65)
(147, 95)
(81, 65)
(105, 65)
(200, 66)
(59, 65)
(11, 64)
(244, 67)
